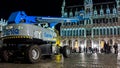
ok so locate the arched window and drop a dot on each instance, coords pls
(114, 31)
(71, 13)
(64, 33)
(104, 31)
(108, 10)
(76, 12)
(108, 31)
(97, 31)
(80, 32)
(70, 32)
(93, 31)
(101, 11)
(111, 31)
(114, 11)
(95, 12)
(74, 32)
(100, 31)
(65, 14)
(119, 31)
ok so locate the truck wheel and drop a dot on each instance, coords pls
(66, 51)
(33, 54)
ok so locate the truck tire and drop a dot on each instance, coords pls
(33, 54)
(66, 51)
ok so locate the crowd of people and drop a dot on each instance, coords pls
(86, 50)
(106, 49)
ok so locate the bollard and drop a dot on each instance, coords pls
(59, 58)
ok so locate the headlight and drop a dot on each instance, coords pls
(9, 27)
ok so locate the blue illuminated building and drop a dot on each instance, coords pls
(98, 23)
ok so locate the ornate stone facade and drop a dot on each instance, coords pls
(98, 23)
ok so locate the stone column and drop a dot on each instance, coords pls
(118, 57)
(72, 43)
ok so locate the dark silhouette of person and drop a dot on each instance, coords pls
(115, 48)
(105, 47)
(108, 48)
(79, 49)
(90, 49)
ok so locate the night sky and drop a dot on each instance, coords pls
(37, 7)
(31, 7)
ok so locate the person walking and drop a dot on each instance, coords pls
(105, 47)
(115, 48)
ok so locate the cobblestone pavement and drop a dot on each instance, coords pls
(77, 60)
(93, 61)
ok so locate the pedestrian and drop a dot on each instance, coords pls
(79, 49)
(115, 48)
(105, 47)
(90, 49)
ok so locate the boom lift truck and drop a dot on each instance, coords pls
(29, 37)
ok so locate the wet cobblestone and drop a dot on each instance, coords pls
(77, 60)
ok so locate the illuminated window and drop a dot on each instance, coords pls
(100, 31)
(108, 32)
(76, 32)
(88, 32)
(69, 31)
(104, 32)
(95, 12)
(63, 32)
(119, 31)
(93, 31)
(82, 32)
(114, 31)
(108, 10)
(73, 32)
(101, 11)
(97, 31)
(111, 31)
(79, 32)
(114, 11)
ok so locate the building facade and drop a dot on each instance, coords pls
(3, 22)
(98, 23)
